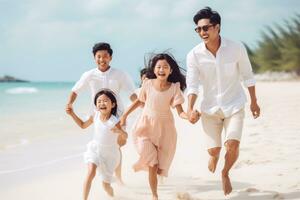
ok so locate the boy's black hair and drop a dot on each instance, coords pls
(207, 13)
(111, 96)
(143, 72)
(175, 76)
(102, 46)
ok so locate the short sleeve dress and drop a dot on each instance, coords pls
(155, 133)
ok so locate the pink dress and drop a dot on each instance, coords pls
(155, 133)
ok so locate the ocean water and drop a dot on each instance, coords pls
(17, 98)
(35, 131)
(36, 110)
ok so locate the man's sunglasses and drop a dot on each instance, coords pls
(204, 28)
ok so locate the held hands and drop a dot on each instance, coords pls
(183, 115)
(255, 109)
(193, 116)
(122, 138)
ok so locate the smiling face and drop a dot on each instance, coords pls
(162, 70)
(104, 105)
(207, 31)
(102, 59)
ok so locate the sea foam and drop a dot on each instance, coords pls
(22, 90)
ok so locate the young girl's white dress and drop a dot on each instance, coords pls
(103, 150)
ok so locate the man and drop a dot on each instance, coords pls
(103, 76)
(219, 64)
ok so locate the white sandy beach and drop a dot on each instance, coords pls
(268, 166)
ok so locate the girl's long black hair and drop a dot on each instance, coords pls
(111, 96)
(177, 72)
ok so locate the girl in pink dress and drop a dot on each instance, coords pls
(155, 131)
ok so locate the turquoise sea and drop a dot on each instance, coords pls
(35, 131)
(36, 110)
(30, 110)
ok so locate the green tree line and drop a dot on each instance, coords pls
(279, 48)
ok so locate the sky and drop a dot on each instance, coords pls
(52, 40)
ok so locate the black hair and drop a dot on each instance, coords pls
(207, 13)
(143, 72)
(111, 96)
(102, 46)
(175, 76)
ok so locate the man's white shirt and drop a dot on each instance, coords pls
(220, 76)
(113, 79)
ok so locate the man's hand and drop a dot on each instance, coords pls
(255, 109)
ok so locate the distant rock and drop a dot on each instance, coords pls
(11, 79)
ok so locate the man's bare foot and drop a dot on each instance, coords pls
(108, 189)
(212, 163)
(227, 188)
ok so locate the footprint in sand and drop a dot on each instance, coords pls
(253, 134)
(183, 196)
(243, 163)
(295, 186)
(251, 190)
(277, 196)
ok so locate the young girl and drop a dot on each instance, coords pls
(155, 130)
(103, 151)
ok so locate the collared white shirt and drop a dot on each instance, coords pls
(220, 76)
(113, 79)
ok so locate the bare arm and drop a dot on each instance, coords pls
(180, 112)
(122, 134)
(193, 115)
(133, 97)
(131, 108)
(119, 130)
(191, 101)
(71, 100)
(255, 109)
(79, 122)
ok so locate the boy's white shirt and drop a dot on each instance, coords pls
(113, 79)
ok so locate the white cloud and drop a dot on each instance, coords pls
(184, 8)
(150, 10)
(40, 29)
(100, 7)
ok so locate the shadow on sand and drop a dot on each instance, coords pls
(192, 188)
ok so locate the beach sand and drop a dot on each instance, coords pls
(268, 166)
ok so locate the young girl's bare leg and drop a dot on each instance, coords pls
(88, 181)
(108, 189)
(118, 170)
(153, 181)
